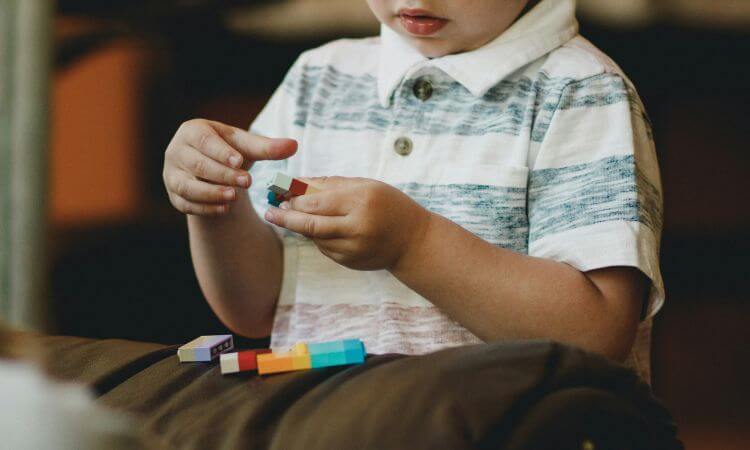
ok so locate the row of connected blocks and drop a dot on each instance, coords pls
(301, 357)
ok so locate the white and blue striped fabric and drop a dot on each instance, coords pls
(535, 142)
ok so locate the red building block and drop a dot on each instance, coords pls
(298, 187)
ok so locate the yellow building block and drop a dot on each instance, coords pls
(301, 362)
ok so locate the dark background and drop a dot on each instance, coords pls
(120, 264)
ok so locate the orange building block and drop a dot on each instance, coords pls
(296, 359)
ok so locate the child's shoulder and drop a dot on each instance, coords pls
(353, 54)
(579, 59)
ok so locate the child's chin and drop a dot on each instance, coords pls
(431, 47)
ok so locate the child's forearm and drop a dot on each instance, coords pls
(238, 262)
(500, 294)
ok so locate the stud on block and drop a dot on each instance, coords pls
(245, 361)
(205, 348)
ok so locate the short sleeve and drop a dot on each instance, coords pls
(595, 196)
(276, 120)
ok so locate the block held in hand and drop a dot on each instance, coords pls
(283, 187)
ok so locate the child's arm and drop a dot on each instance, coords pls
(237, 257)
(493, 292)
(500, 294)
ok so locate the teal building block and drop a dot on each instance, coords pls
(336, 353)
(328, 359)
(352, 344)
(326, 347)
(272, 199)
(355, 355)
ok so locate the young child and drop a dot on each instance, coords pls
(486, 174)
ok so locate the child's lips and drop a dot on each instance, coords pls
(421, 25)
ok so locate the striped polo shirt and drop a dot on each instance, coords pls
(535, 142)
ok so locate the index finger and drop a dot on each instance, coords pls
(254, 147)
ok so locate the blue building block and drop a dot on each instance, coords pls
(352, 344)
(354, 351)
(273, 200)
(337, 353)
(326, 347)
(328, 359)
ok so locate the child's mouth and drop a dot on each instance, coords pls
(420, 23)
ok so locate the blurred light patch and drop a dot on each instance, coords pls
(309, 19)
(697, 13)
(301, 19)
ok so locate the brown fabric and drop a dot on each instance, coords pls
(502, 395)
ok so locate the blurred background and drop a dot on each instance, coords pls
(91, 93)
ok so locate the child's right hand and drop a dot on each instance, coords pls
(206, 162)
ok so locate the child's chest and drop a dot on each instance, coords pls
(458, 155)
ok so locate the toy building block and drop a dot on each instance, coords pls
(283, 187)
(337, 353)
(274, 199)
(301, 357)
(296, 359)
(297, 187)
(273, 363)
(355, 351)
(280, 184)
(245, 361)
(205, 348)
(301, 188)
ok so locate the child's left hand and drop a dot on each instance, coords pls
(360, 223)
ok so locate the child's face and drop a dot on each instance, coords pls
(442, 27)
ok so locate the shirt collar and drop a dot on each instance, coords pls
(545, 27)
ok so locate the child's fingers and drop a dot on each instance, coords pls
(201, 166)
(256, 148)
(198, 209)
(324, 183)
(312, 226)
(199, 191)
(206, 139)
(324, 203)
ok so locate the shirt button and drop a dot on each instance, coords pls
(403, 146)
(423, 89)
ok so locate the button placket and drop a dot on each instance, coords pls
(400, 144)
